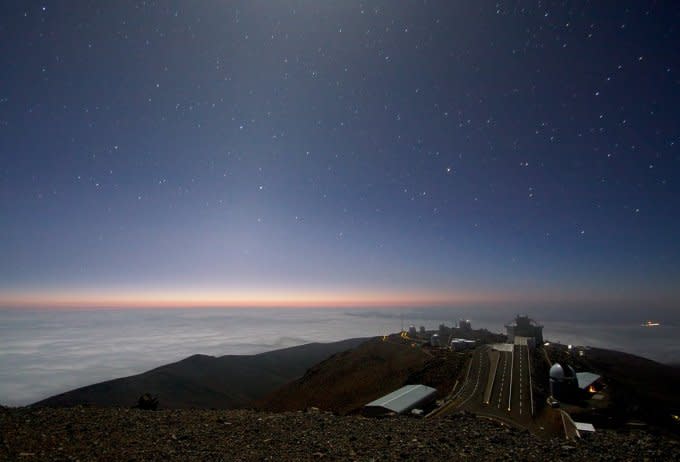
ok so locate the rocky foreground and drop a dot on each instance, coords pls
(134, 435)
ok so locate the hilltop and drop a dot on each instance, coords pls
(348, 380)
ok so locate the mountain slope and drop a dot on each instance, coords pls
(346, 381)
(202, 381)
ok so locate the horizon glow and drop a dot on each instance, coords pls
(336, 155)
(238, 299)
(122, 298)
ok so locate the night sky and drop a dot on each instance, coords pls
(339, 152)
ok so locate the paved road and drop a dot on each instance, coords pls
(500, 393)
(474, 387)
(506, 394)
(520, 400)
(471, 392)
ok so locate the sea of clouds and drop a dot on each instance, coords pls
(45, 352)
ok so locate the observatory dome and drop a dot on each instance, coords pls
(562, 371)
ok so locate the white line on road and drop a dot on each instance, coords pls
(512, 363)
(502, 387)
(520, 381)
(531, 388)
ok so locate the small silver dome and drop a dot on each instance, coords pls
(562, 371)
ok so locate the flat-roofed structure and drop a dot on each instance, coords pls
(523, 326)
(402, 400)
(584, 427)
(572, 429)
(569, 385)
(460, 344)
(525, 341)
(589, 381)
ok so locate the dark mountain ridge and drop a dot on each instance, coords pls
(202, 381)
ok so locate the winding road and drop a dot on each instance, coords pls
(497, 385)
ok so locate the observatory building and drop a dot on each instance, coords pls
(523, 326)
(568, 385)
(563, 381)
(460, 344)
(464, 324)
(401, 401)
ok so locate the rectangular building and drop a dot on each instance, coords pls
(402, 400)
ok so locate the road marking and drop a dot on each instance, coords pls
(467, 376)
(531, 388)
(502, 387)
(479, 375)
(520, 381)
(457, 396)
(512, 363)
(454, 396)
(488, 391)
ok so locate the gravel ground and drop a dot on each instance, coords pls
(132, 435)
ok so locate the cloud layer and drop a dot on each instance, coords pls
(43, 353)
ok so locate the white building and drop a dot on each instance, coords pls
(402, 400)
